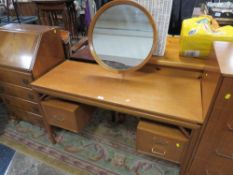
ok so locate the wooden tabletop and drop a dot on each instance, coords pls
(224, 54)
(167, 94)
(171, 57)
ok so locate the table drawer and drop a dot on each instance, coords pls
(26, 116)
(161, 141)
(18, 91)
(15, 77)
(21, 104)
(66, 115)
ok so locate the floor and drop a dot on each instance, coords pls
(15, 163)
(95, 146)
(23, 165)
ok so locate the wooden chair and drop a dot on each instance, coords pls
(17, 13)
(58, 13)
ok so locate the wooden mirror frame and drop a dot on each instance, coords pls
(92, 26)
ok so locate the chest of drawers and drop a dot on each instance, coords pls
(214, 154)
(26, 53)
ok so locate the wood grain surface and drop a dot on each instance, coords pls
(170, 93)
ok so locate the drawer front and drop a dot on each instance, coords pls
(225, 142)
(15, 77)
(61, 118)
(160, 146)
(21, 104)
(211, 166)
(65, 115)
(26, 116)
(18, 91)
(60, 115)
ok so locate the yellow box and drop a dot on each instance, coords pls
(198, 34)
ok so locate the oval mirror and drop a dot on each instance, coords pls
(122, 36)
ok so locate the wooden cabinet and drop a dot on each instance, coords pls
(26, 116)
(214, 154)
(26, 53)
(19, 91)
(161, 141)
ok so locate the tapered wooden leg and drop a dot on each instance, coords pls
(118, 117)
(195, 136)
(50, 132)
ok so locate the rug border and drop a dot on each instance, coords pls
(40, 156)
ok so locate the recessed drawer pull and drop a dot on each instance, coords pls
(2, 89)
(154, 151)
(60, 119)
(218, 153)
(230, 127)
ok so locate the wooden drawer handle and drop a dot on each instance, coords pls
(35, 109)
(230, 127)
(7, 101)
(207, 172)
(218, 153)
(25, 81)
(153, 150)
(31, 97)
(13, 113)
(2, 89)
(60, 119)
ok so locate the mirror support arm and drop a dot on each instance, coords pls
(80, 44)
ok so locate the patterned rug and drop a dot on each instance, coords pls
(102, 148)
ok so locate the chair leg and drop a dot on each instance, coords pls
(7, 10)
(16, 10)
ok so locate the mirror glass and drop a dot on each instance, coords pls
(123, 37)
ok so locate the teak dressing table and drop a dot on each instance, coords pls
(184, 98)
(160, 92)
(184, 104)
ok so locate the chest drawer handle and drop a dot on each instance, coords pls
(13, 113)
(2, 89)
(154, 151)
(218, 153)
(7, 101)
(25, 81)
(207, 172)
(230, 127)
(60, 119)
(35, 109)
(30, 96)
(211, 173)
